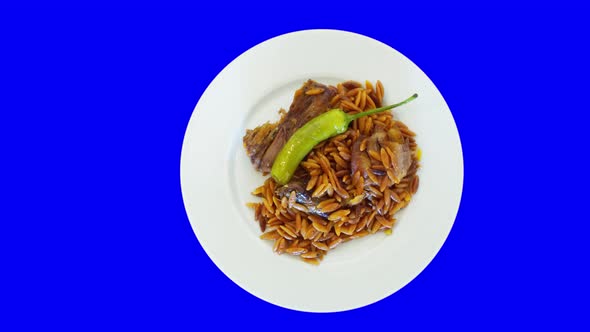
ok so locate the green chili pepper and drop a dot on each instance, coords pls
(318, 129)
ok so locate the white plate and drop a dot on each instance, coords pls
(217, 177)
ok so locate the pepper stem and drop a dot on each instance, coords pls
(381, 109)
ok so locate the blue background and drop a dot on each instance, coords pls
(95, 101)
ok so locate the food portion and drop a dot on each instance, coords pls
(341, 168)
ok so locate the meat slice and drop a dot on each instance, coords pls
(359, 160)
(393, 139)
(302, 196)
(402, 160)
(257, 140)
(401, 150)
(264, 143)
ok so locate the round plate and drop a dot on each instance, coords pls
(217, 177)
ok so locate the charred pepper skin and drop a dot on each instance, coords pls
(326, 125)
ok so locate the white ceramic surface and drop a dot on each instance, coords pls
(217, 177)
